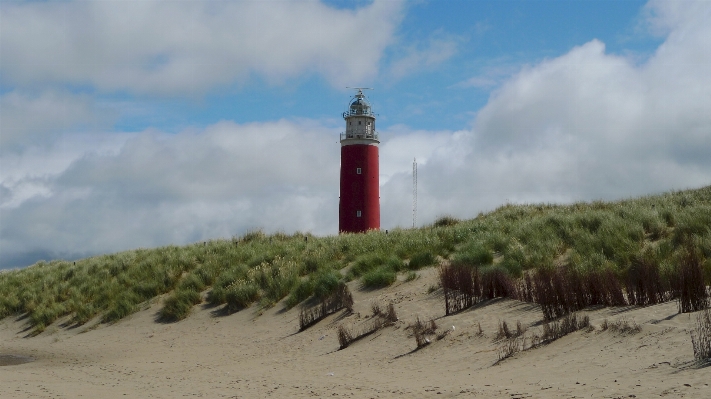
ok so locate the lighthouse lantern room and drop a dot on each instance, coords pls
(359, 206)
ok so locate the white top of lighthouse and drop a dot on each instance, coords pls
(360, 122)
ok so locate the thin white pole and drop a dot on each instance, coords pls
(414, 192)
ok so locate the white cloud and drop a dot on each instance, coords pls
(153, 188)
(490, 76)
(401, 145)
(28, 119)
(673, 17)
(190, 46)
(438, 49)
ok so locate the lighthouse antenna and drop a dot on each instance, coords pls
(414, 192)
(360, 91)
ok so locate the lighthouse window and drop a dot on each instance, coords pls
(357, 213)
(358, 171)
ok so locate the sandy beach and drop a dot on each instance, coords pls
(254, 354)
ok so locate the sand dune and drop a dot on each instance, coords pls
(248, 355)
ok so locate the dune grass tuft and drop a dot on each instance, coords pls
(177, 306)
(474, 255)
(445, 221)
(241, 295)
(381, 277)
(420, 260)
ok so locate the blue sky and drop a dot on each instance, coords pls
(140, 124)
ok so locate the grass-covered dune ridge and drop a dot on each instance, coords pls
(237, 272)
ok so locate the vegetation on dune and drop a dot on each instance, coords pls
(513, 341)
(701, 336)
(381, 277)
(380, 319)
(643, 245)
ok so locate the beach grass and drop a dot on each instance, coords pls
(640, 251)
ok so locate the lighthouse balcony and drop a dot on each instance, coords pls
(359, 135)
(358, 112)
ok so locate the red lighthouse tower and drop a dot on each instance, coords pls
(359, 207)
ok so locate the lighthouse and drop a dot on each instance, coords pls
(359, 205)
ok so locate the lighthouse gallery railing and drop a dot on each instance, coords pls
(359, 135)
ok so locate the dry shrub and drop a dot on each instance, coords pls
(550, 288)
(525, 289)
(624, 326)
(701, 336)
(391, 316)
(375, 308)
(505, 332)
(692, 290)
(421, 330)
(309, 317)
(344, 337)
(496, 283)
(551, 331)
(341, 298)
(535, 340)
(344, 297)
(605, 325)
(514, 342)
(560, 328)
(433, 326)
(458, 284)
(520, 329)
(561, 291)
(375, 325)
(604, 288)
(464, 285)
(426, 328)
(448, 276)
(510, 347)
(585, 323)
(644, 284)
(420, 339)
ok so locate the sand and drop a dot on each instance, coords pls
(253, 355)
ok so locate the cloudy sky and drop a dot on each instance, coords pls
(130, 124)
